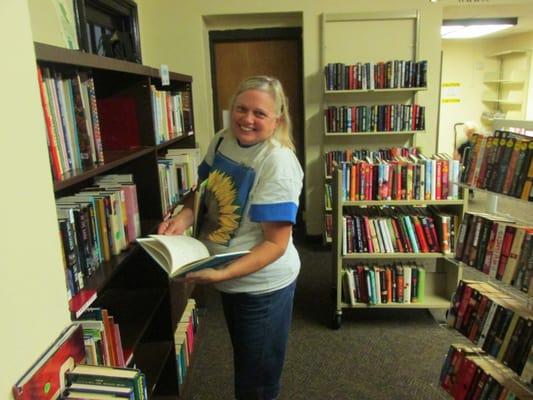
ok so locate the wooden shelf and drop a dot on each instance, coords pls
(172, 142)
(59, 55)
(150, 358)
(113, 159)
(380, 133)
(133, 310)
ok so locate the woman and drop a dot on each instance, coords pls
(253, 184)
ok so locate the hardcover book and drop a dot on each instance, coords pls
(178, 254)
(45, 378)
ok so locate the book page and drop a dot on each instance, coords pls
(174, 251)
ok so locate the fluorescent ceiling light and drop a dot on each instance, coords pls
(474, 28)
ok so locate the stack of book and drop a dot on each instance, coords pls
(498, 247)
(502, 163)
(184, 338)
(375, 284)
(381, 75)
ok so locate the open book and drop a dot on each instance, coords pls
(178, 254)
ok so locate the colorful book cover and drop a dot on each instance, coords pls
(45, 378)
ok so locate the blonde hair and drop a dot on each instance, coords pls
(268, 84)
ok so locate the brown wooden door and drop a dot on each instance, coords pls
(236, 55)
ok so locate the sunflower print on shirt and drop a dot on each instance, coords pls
(226, 194)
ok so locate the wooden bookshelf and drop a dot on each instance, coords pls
(131, 286)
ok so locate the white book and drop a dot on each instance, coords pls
(407, 284)
(178, 254)
(487, 323)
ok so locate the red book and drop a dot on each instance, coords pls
(465, 299)
(465, 375)
(444, 179)
(506, 250)
(45, 378)
(52, 143)
(80, 301)
(118, 123)
(424, 248)
(438, 180)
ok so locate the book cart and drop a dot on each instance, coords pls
(340, 56)
(138, 294)
(441, 275)
(492, 310)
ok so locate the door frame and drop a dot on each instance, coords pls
(244, 35)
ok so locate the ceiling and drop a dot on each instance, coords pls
(521, 9)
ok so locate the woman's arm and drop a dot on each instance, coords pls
(276, 238)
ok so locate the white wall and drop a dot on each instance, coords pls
(33, 297)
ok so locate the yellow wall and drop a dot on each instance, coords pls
(32, 285)
(175, 33)
(465, 62)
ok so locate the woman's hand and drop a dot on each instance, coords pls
(204, 276)
(176, 225)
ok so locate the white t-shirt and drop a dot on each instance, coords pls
(247, 186)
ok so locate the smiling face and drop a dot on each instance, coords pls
(253, 117)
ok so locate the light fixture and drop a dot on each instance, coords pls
(474, 27)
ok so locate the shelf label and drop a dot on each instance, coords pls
(163, 73)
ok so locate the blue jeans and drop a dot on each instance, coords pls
(259, 329)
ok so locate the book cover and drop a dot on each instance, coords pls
(44, 379)
(177, 254)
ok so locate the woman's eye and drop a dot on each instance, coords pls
(240, 109)
(260, 114)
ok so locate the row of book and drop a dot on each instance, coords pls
(469, 373)
(71, 118)
(495, 321)
(334, 158)
(95, 224)
(380, 75)
(374, 284)
(498, 247)
(413, 178)
(375, 118)
(171, 114)
(178, 173)
(184, 338)
(502, 163)
(397, 230)
(101, 337)
(61, 371)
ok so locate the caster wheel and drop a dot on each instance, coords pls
(336, 322)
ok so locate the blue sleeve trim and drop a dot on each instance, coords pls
(278, 212)
(203, 171)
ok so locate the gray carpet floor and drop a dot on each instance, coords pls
(376, 354)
